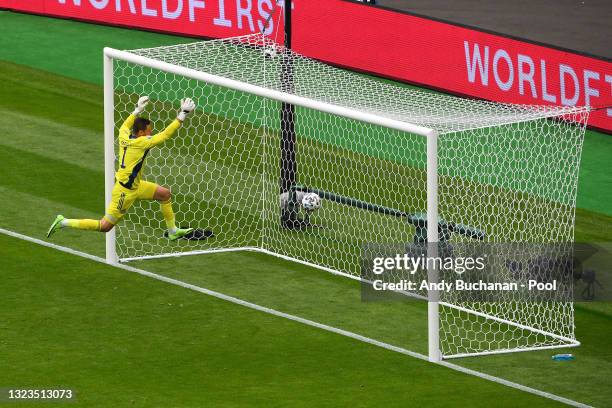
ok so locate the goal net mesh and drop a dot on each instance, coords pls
(509, 170)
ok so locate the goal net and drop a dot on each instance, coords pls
(385, 159)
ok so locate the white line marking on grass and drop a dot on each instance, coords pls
(298, 319)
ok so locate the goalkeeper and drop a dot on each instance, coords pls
(135, 141)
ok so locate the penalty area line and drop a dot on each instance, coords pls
(298, 319)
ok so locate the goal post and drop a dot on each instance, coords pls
(389, 162)
(109, 149)
(433, 307)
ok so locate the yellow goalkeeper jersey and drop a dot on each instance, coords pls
(133, 151)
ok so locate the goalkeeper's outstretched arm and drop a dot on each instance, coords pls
(187, 106)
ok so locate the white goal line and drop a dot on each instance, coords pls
(298, 319)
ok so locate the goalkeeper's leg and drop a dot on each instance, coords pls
(163, 195)
(121, 200)
(60, 222)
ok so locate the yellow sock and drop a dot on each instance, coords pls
(91, 225)
(166, 208)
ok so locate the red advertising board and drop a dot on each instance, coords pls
(452, 58)
(199, 18)
(400, 46)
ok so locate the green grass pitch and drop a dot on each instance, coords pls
(120, 339)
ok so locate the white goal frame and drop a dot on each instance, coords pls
(434, 350)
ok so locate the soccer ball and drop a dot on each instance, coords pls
(311, 201)
(270, 52)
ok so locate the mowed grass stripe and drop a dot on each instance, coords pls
(51, 178)
(37, 93)
(52, 138)
(123, 340)
(32, 214)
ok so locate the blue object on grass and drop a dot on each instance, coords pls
(563, 357)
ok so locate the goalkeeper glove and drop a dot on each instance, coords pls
(187, 106)
(142, 104)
